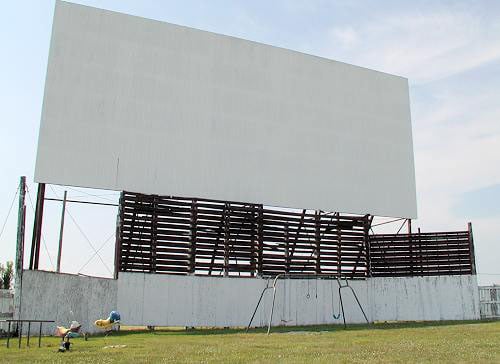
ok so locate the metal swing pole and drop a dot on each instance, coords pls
(257, 307)
(272, 306)
(355, 297)
(273, 287)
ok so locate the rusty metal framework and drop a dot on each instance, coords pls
(176, 235)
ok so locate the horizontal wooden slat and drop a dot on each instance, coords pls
(181, 235)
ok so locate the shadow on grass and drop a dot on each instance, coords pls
(178, 331)
(291, 329)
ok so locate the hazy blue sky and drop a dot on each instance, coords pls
(449, 51)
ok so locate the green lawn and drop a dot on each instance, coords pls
(473, 342)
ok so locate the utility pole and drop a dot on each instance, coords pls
(21, 219)
(59, 250)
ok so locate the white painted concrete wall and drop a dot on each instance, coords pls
(167, 300)
(424, 298)
(6, 307)
(213, 301)
(66, 297)
(6, 303)
(489, 301)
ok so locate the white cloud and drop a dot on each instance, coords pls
(346, 37)
(456, 117)
(423, 47)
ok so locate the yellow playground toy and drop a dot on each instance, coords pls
(107, 324)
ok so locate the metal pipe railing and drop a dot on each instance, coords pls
(19, 328)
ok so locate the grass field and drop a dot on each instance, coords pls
(473, 342)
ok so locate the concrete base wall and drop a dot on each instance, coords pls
(212, 301)
(66, 297)
(6, 307)
(168, 300)
(424, 298)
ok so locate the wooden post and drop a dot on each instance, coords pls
(260, 237)
(421, 259)
(21, 220)
(154, 231)
(59, 250)
(317, 238)
(226, 239)
(192, 250)
(253, 227)
(367, 225)
(410, 243)
(287, 249)
(37, 227)
(471, 249)
(339, 247)
(118, 240)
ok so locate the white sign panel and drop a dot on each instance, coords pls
(141, 105)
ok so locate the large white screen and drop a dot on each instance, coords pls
(141, 105)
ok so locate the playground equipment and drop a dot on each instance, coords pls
(67, 334)
(346, 285)
(110, 322)
(273, 285)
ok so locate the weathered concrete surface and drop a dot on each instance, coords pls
(214, 301)
(6, 303)
(167, 300)
(6, 307)
(489, 302)
(66, 297)
(424, 298)
(153, 299)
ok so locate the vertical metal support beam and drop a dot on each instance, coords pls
(254, 230)
(154, 237)
(471, 249)
(339, 247)
(260, 221)
(61, 229)
(410, 245)
(37, 227)
(420, 260)
(226, 239)
(367, 225)
(118, 237)
(287, 249)
(21, 222)
(317, 238)
(193, 230)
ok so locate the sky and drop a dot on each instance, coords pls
(448, 50)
